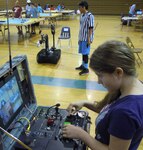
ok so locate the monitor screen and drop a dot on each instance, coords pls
(139, 12)
(10, 100)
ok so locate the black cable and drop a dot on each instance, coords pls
(9, 44)
(20, 122)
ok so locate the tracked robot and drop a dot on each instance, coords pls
(47, 55)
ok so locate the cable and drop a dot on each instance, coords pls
(20, 122)
(29, 126)
(34, 117)
(28, 109)
(9, 41)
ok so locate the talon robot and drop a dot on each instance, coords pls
(47, 55)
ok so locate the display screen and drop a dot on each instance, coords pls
(10, 100)
(139, 12)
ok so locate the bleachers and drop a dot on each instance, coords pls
(110, 7)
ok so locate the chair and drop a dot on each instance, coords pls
(65, 35)
(123, 21)
(3, 30)
(136, 51)
(138, 24)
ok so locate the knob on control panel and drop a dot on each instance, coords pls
(50, 121)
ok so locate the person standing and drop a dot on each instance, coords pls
(28, 14)
(85, 36)
(40, 9)
(17, 13)
(28, 8)
(34, 14)
(132, 10)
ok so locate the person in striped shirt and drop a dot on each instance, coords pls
(85, 36)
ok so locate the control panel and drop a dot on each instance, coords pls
(45, 130)
(25, 125)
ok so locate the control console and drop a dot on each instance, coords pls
(45, 131)
(25, 125)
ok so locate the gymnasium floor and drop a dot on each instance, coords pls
(61, 83)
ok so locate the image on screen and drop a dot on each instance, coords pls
(10, 100)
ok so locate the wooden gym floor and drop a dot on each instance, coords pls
(61, 83)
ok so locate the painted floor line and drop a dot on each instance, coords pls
(68, 83)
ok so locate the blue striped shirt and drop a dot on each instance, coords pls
(86, 22)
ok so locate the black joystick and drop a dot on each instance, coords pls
(56, 109)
